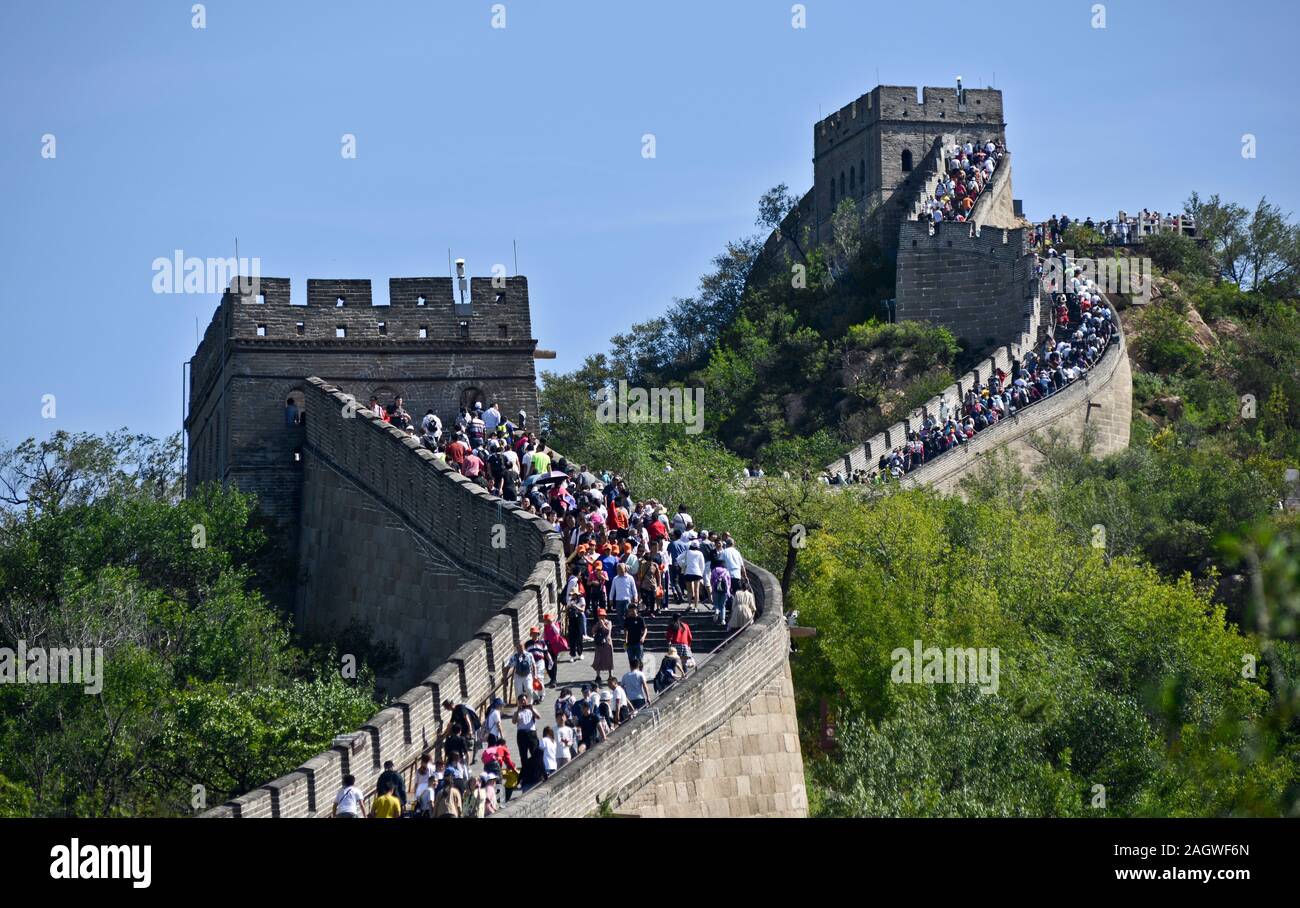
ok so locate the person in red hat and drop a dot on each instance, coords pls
(603, 636)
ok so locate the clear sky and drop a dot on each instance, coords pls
(467, 136)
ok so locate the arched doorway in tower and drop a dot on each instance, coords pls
(295, 408)
(907, 160)
(471, 397)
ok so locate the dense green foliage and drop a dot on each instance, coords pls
(797, 358)
(1109, 674)
(202, 682)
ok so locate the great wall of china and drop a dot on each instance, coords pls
(722, 743)
(354, 492)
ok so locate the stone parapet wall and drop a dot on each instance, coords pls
(723, 743)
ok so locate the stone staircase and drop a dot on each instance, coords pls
(705, 635)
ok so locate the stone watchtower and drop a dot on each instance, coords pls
(426, 345)
(873, 150)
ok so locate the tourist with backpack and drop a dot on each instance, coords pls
(349, 803)
(650, 579)
(523, 669)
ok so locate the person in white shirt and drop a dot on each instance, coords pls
(432, 425)
(692, 568)
(491, 419)
(492, 723)
(525, 719)
(549, 751)
(622, 592)
(424, 802)
(423, 774)
(565, 742)
(349, 802)
(620, 707)
(732, 559)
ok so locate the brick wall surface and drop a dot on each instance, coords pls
(974, 281)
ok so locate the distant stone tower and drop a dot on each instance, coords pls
(425, 345)
(874, 150)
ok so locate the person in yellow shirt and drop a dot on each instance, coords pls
(386, 806)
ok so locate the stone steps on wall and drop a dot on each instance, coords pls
(705, 635)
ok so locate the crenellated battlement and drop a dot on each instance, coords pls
(423, 344)
(901, 104)
(873, 150)
(495, 311)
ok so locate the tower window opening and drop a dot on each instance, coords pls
(464, 329)
(419, 301)
(423, 333)
(907, 160)
(299, 327)
(383, 327)
(261, 330)
(341, 331)
(339, 302)
(503, 331)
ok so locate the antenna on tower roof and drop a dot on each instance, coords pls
(515, 244)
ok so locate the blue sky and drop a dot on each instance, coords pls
(170, 137)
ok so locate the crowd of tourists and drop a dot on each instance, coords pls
(627, 560)
(1083, 326)
(1121, 230)
(968, 168)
